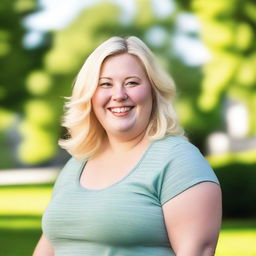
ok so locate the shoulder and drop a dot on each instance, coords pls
(171, 147)
(182, 167)
(180, 152)
(180, 160)
(67, 173)
(72, 163)
(72, 166)
(171, 142)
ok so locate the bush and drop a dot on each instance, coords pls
(238, 183)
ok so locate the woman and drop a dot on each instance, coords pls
(135, 185)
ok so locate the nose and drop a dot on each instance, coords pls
(119, 93)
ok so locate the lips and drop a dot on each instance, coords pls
(120, 111)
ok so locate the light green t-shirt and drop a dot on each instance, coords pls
(126, 218)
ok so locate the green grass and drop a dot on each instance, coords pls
(237, 238)
(21, 207)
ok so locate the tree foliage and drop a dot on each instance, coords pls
(16, 63)
(34, 82)
(228, 31)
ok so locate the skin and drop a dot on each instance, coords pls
(123, 83)
(193, 220)
(43, 248)
(193, 217)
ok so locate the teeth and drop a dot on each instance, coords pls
(120, 110)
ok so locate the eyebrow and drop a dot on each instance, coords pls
(104, 77)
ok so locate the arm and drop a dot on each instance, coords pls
(43, 248)
(193, 220)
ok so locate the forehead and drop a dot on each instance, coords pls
(122, 63)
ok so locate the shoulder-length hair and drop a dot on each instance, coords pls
(85, 134)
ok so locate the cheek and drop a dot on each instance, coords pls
(99, 99)
(142, 96)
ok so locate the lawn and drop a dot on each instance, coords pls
(21, 207)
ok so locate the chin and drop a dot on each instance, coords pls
(122, 129)
(121, 126)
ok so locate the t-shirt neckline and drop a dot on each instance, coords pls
(83, 163)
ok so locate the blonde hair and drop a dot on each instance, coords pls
(85, 134)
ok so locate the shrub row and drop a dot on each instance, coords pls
(238, 183)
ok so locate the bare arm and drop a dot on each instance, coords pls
(193, 220)
(43, 248)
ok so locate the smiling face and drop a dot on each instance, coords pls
(122, 101)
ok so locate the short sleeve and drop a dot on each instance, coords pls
(187, 167)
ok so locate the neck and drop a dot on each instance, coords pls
(119, 145)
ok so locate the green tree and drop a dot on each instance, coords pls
(228, 31)
(16, 62)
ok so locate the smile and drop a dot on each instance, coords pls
(120, 111)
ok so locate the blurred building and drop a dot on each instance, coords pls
(235, 137)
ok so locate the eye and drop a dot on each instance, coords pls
(105, 84)
(132, 83)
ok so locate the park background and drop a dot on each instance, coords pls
(209, 47)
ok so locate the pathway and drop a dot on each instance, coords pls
(28, 176)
